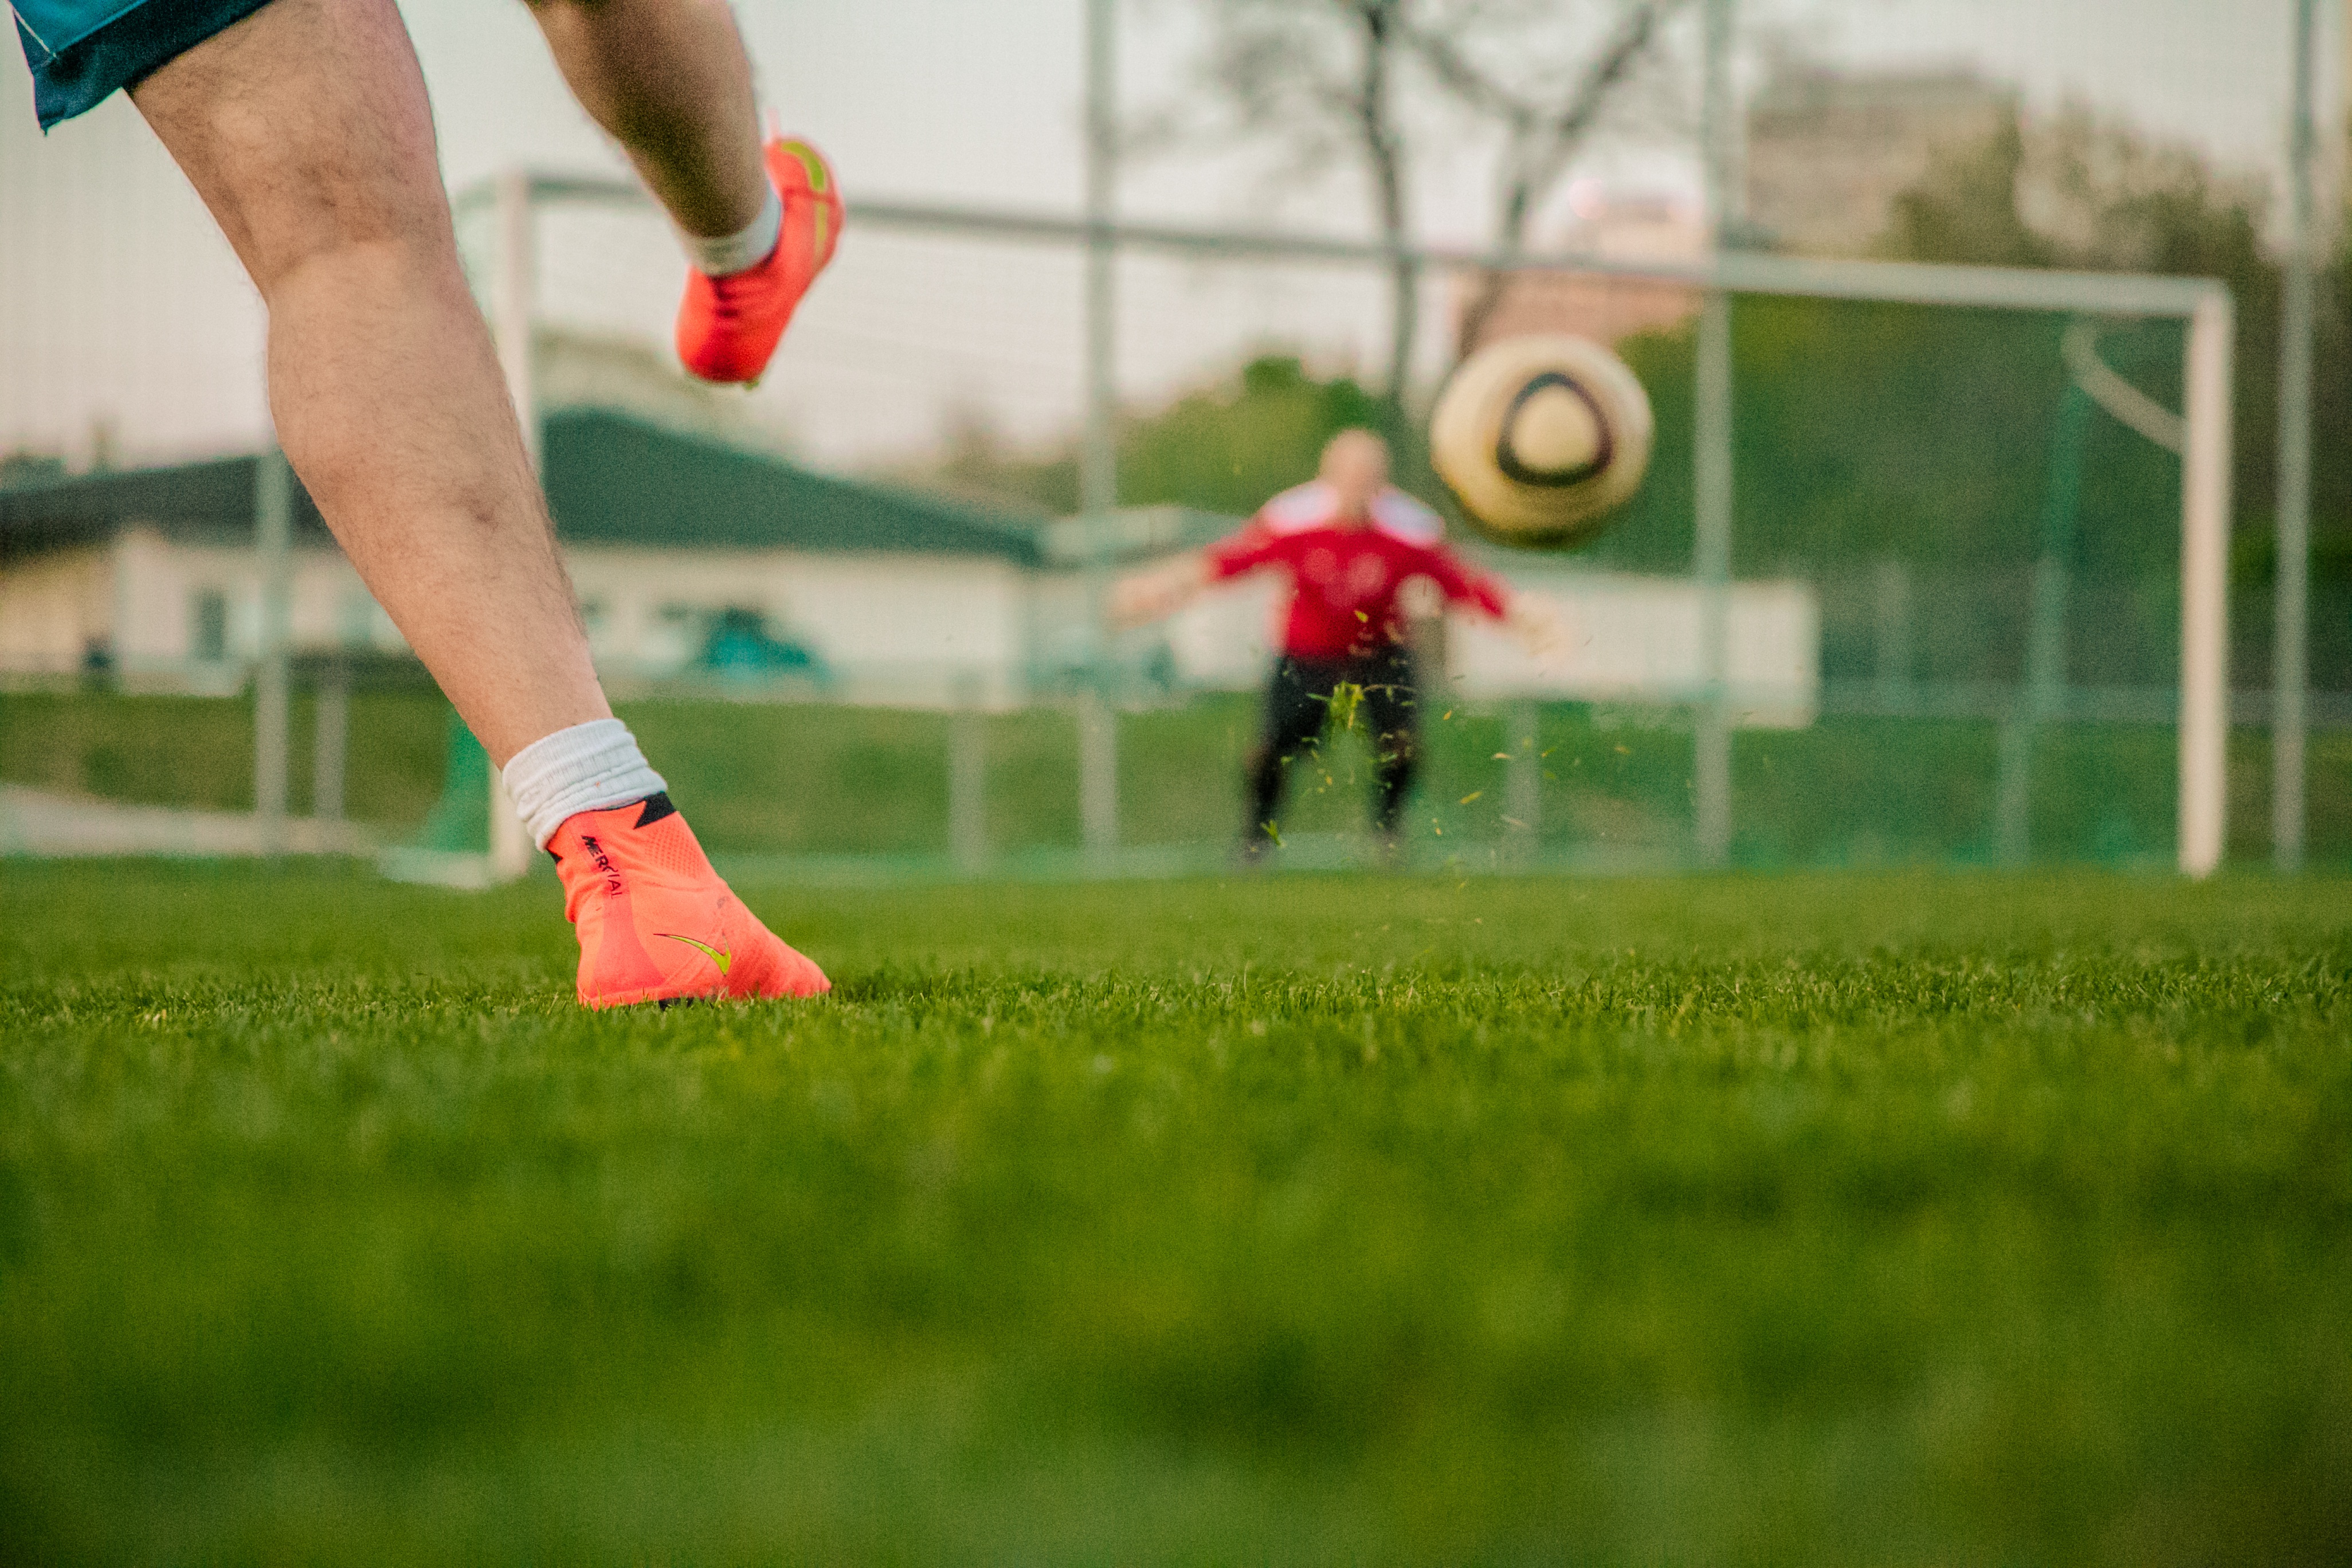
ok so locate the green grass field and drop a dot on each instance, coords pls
(1909, 1219)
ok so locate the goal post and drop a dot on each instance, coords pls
(2204, 585)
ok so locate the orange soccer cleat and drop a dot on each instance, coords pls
(656, 924)
(727, 328)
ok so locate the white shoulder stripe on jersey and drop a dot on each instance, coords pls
(1300, 506)
(1395, 513)
(1398, 515)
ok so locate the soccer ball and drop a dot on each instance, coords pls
(1539, 437)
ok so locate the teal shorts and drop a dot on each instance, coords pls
(81, 50)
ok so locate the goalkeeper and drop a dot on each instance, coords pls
(1351, 542)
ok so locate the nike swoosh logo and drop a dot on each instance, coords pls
(717, 955)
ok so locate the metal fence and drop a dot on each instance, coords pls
(1041, 341)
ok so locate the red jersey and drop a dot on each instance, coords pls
(1345, 579)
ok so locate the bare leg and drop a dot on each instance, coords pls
(669, 80)
(305, 130)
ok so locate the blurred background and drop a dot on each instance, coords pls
(851, 615)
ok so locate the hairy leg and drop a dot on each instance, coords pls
(305, 130)
(668, 79)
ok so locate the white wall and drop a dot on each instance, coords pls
(892, 628)
(138, 595)
(51, 607)
(1635, 639)
(157, 583)
(1224, 638)
(889, 628)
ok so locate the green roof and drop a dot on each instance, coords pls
(211, 498)
(615, 480)
(611, 478)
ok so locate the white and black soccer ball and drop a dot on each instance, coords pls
(1541, 438)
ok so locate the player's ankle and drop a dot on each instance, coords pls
(724, 255)
(594, 766)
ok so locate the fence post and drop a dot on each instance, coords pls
(2041, 696)
(1711, 565)
(1099, 458)
(2290, 628)
(330, 740)
(1891, 634)
(1711, 440)
(1097, 775)
(1523, 782)
(273, 530)
(968, 777)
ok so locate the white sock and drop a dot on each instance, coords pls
(719, 255)
(593, 766)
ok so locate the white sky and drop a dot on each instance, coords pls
(119, 303)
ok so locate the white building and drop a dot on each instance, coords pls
(1829, 152)
(695, 562)
(705, 564)
(1628, 225)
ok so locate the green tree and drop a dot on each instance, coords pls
(1871, 431)
(1375, 83)
(1225, 447)
(2080, 193)
(1228, 448)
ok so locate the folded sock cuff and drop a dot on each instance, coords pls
(717, 256)
(593, 766)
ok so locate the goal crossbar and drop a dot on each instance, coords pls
(2134, 294)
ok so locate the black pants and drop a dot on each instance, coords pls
(1305, 694)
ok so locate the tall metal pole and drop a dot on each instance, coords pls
(2290, 670)
(273, 543)
(511, 311)
(1712, 477)
(1098, 467)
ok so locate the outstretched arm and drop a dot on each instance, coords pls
(1146, 596)
(1164, 590)
(1536, 621)
(1541, 625)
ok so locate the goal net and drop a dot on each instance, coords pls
(1953, 621)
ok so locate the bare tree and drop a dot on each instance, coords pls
(1320, 76)
(1547, 115)
(1328, 80)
